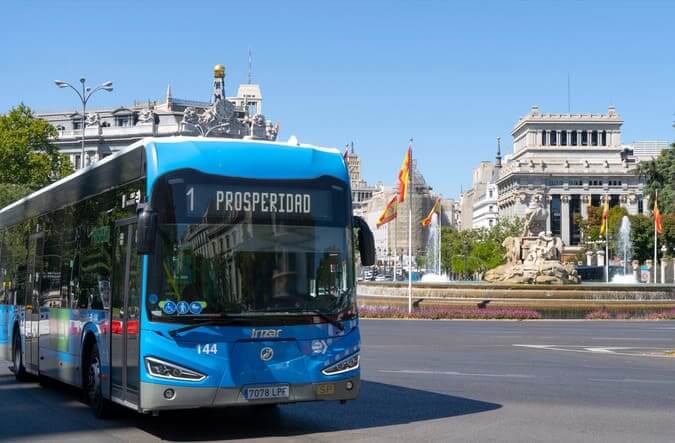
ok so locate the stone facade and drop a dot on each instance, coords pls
(109, 130)
(569, 161)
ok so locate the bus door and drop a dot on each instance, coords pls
(125, 315)
(32, 306)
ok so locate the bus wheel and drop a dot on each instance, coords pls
(19, 370)
(92, 384)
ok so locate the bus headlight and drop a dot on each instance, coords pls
(171, 371)
(348, 364)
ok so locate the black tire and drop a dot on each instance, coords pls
(92, 384)
(17, 358)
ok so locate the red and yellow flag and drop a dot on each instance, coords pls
(404, 176)
(436, 208)
(658, 219)
(605, 217)
(389, 212)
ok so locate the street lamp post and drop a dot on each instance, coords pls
(84, 96)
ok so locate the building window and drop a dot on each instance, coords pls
(490, 193)
(584, 138)
(575, 213)
(640, 206)
(77, 124)
(563, 138)
(490, 209)
(604, 138)
(543, 138)
(573, 142)
(555, 212)
(594, 138)
(491, 222)
(123, 121)
(554, 138)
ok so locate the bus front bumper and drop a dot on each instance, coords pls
(154, 397)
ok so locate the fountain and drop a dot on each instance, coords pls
(433, 265)
(624, 246)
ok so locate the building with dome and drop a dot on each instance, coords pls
(110, 129)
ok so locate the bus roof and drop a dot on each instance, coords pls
(230, 157)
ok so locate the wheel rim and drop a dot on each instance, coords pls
(94, 378)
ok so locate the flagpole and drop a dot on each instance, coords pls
(606, 221)
(395, 242)
(656, 202)
(410, 222)
(440, 231)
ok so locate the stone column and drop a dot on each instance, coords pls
(601, 257)
(547, 203)
(565, 219)
(585, 199)
(666, 267)
(636, 270)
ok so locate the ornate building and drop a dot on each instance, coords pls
(362, 192)
(568, 161)
(109, 130)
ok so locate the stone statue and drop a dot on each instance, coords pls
(533, 259)
(146, 116)
(535, 218)
(92, 119)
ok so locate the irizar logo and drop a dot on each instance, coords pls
(265, 333)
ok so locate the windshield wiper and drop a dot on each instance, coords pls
(322, 315)
(218, 321)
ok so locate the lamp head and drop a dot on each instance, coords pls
(60, 83)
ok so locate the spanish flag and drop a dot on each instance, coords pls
(389, 212)
(658, 220)
(605, 217)
(404, 176)
(436, 208)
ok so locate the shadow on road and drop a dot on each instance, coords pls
(378, 405)
(55, 411)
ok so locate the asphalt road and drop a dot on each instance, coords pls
(425, 381)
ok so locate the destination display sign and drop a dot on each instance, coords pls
(259, 203)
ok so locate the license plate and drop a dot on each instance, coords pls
(266, 392)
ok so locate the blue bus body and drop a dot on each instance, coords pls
(69, 290)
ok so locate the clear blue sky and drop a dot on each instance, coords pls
(452, 75)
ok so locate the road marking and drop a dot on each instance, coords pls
(629, 380)
(454, 373)
(608, 350)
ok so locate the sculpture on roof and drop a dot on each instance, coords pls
(146, 116)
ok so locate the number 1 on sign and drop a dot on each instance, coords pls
(191, 195)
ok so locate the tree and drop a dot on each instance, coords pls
(29, 160)
(659, 174)
(477, 250)
(642, 236)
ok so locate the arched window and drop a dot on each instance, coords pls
(554, 138)
(573, 142)
(543, 138)
(604, 138)
(594, 138)
(563, 138)
(584, 138)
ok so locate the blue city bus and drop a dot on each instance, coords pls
(188, 272)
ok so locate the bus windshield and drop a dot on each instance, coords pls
(230, 247)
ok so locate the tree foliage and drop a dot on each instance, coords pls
(659, 174)
(477, 250)
(29, 160)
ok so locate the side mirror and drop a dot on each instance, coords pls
(146, 230)
(366, 242)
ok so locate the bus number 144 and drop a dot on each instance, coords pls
(207, 349)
